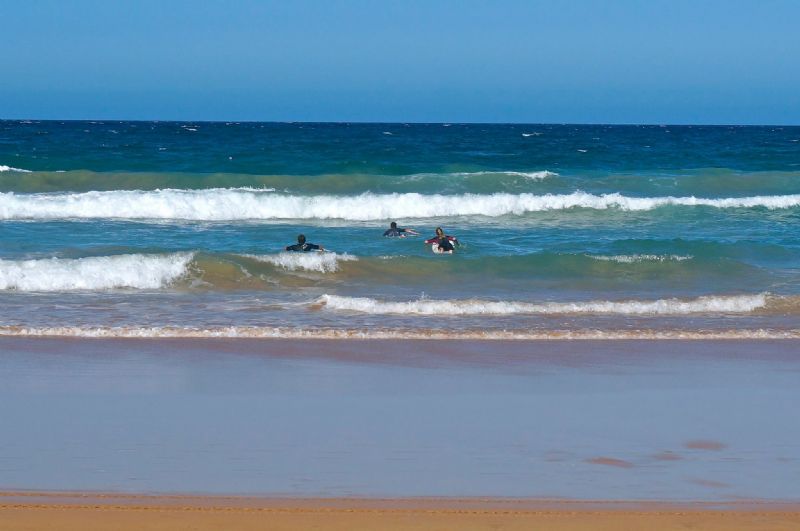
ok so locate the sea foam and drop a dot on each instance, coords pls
(138, 271)
(9, 168)
(322, 262)
(674, 306)
(637, 258)
(241, 204)
(532, 175)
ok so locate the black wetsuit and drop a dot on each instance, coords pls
(302, 247)
(445, 244)
(395, 233)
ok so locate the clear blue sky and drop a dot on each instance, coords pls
(615, 61)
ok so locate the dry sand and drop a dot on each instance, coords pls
(86, 512)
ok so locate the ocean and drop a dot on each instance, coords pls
(177, 229)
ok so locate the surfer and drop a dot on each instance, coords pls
(394, 232)
(303, 247)
(444, 241)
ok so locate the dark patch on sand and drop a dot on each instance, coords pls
(702, 444)
(667, 456)
(710, 483)
(556, 456)
(610, 461)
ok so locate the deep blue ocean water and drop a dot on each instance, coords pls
(159, 228)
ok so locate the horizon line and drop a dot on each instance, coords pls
(369, 122)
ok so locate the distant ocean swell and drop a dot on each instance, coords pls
(252, 332)
(27, 181)
(244, 204)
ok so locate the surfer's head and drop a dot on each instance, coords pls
(301, 239)
(393, 225)
(439, 232)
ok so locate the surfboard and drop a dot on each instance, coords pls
(436, 250)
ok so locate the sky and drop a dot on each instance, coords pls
(568, 61)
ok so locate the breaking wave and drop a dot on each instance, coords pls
(707, 304)
(532, 175)
(9, 168)
(223, 204)
(137, 271)
(322, 262)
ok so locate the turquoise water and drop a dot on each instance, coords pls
(162, 228)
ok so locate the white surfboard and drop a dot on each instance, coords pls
(436, 250)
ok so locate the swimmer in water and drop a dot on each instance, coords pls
(394, 232)
(445, 241)
(303, 247)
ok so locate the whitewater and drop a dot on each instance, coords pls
(252, 204)
(93, 273)
(672, 306)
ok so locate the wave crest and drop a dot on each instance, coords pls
(531, 175)
(224, 204)
(10, 168)
(137, 271)
(321, 262)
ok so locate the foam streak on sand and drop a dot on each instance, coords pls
(708, 304)
(242, 203)
(256, 332)
(137, 271)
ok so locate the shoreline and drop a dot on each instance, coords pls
(94, 510)
(377, 334)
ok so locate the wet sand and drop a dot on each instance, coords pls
(399, 435)
(79, 512)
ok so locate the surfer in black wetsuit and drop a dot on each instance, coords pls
(445, 241)
(394, 232)
(302, 247)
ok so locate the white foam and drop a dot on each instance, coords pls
(9, 168)
(709, 304)
(244, 203)
(322, 262)
(234, 332)
(532, 175)
(136, 271)
(635, 258)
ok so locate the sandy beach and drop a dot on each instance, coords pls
(72, 511)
